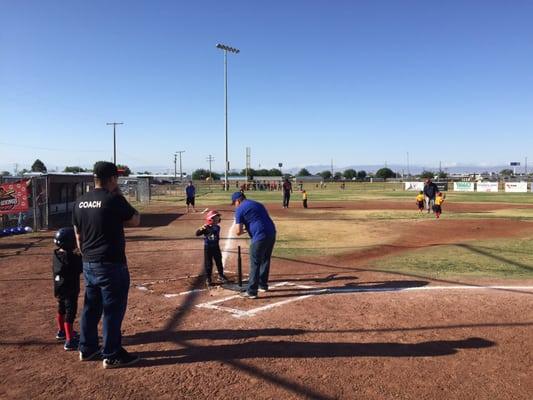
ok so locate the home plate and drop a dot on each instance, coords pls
(275, 297)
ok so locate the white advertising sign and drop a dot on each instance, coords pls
(487, 186)
(516, 187)
(463, 186)
(418, 186)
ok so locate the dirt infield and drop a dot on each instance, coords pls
(331, 327)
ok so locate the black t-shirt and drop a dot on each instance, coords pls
(430, 190)
(66, 269)
(99, 218)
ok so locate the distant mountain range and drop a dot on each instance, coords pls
(413, 169)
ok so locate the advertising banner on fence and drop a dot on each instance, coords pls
(418, 186)
(516, 187)
(443, 186)
(463, 186)
(13, 197)
(487, 186)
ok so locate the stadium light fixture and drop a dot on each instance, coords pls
(235, 51)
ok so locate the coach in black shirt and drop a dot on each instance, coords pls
(99, 218)
(430, 192)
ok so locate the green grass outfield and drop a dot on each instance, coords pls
(354, 191)
(507, 258)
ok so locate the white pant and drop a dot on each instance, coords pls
(429, 204)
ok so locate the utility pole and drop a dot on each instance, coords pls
(408, 171)
(175, 163)
(525, 168)
(210, 159)
(332, 168)
(248, 160)
(181, 173)
(115, 139)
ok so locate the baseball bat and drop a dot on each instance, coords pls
(239, 265)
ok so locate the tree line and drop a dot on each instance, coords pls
(202, 174)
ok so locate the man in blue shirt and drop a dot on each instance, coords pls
(253, 217)
(190, 193)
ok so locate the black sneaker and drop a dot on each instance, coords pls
(247, 295)
(88, 355)
(263, 289)
(122, 360)
(223, 279)
(61, 335)
(71, 345)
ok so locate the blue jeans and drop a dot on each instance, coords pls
(106, 290)
(260, 253)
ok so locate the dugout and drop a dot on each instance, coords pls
(63, 190)
(51, 198)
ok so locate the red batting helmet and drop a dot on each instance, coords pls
(210, 215)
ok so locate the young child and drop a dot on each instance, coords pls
(66, 267)
(304, 198)
(420, 201)
(211, 233)
(438, 204)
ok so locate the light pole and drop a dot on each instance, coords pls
(181, 173)
(115, 139)
(235, 51)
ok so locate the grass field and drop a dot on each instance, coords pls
(481, 259)
(354, 191)
(336, 231)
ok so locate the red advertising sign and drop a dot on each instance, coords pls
(13, 197)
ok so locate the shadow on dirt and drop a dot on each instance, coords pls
(140, 238)
(154, 220)
(350, 287)
(143, 238)
(328, 278)
(404, 274)
(20, 247)
(292, 349)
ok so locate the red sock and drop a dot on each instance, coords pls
(68, 330)
(60, 319)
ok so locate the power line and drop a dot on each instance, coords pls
(50, 148)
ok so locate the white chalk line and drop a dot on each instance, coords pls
(316, 291)
(248, 313)
(228, 244)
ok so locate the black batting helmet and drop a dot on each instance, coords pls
(65, 239)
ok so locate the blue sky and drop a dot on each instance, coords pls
(358, 82)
